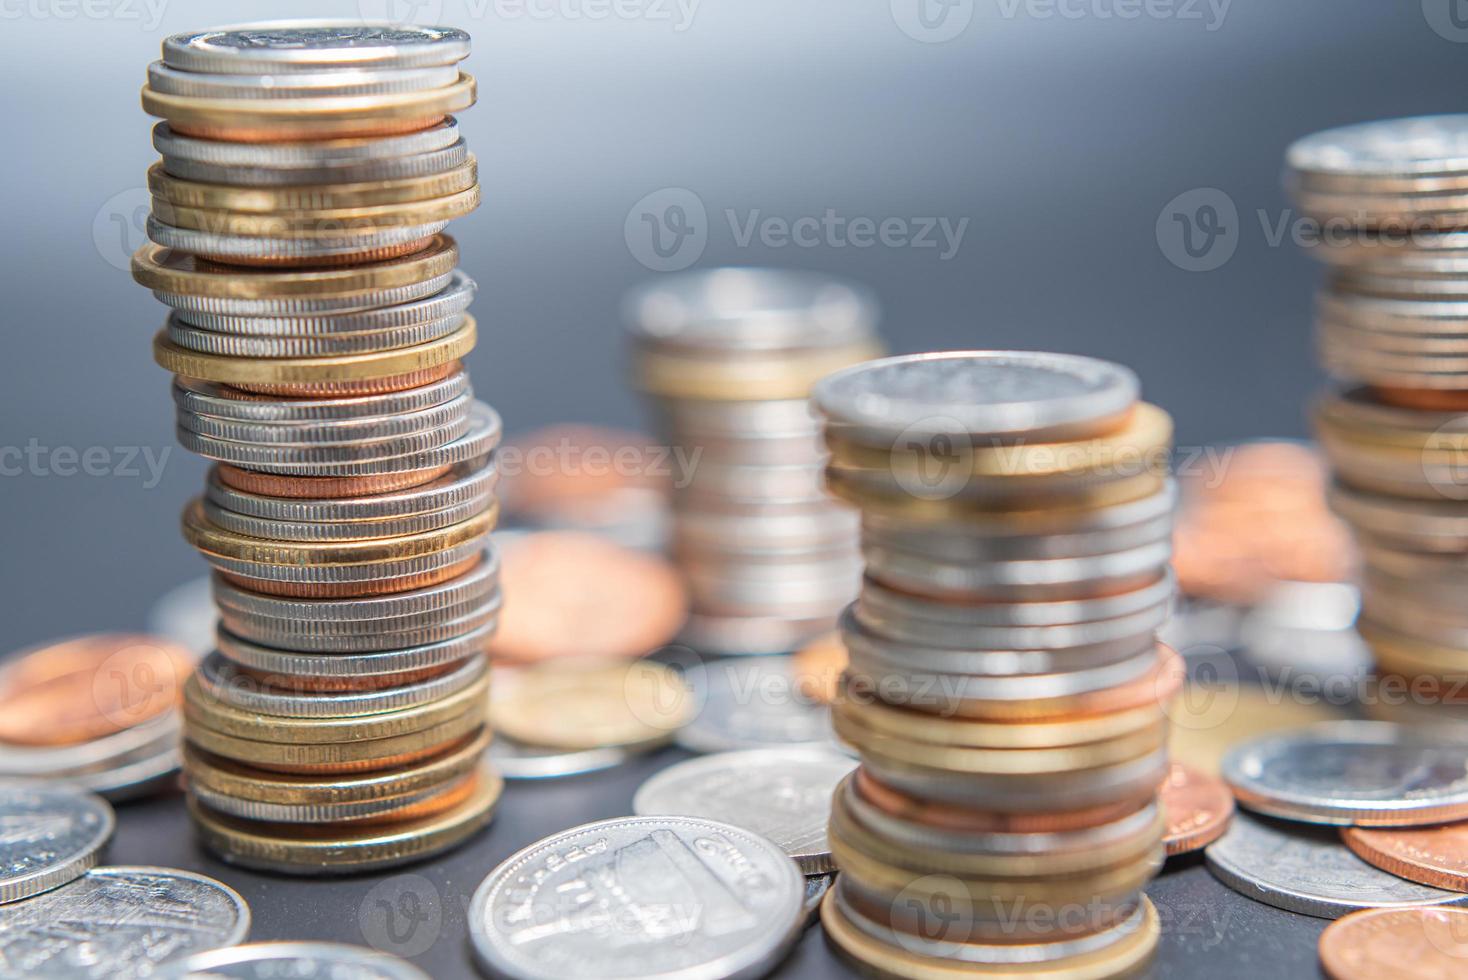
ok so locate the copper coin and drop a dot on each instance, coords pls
(817, 667)
(379, 253)
(1427, 399)
(304, 132)
(356, 682)
(1198, 808)
(88, 687)
(1435, 855)
(324, 487)
(1397, 944)
(367, 386)
(582, 475)
(353, 590)
(579, 595)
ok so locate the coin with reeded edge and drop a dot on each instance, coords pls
(1396, 944)
(295, 960)
(1308, 870)
(1436, 856)
(783, 794)
(118, 923)
(49, 835)
(311, 45)
(1198, 808)
(1365, 773)
(753, 703)
(653, 898)
(517, 760)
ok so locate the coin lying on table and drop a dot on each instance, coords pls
(296, 960)
(1436, 855)
(1198, 809)
(51, 835)
(119, 923)
(782, 794)
(590, 705)
(732, 902)
(1395, 944)
(753, 703)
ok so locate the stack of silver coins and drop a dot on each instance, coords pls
(728, 357)
(316, 329)
(1006, 690)
(1391, 199)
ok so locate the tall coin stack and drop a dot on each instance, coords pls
(728, 357)
(1391, 198)
(316, 326)
(1006, 690)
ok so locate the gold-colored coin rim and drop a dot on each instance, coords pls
(531, 726)
(353, 756)
(727, 377)
(319, 223)
(310, 197)
(193, 111)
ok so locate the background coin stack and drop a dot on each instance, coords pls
(1006, 690)
(1393, 329)
(316, 328)
(728, 357)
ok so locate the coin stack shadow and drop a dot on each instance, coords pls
(316, 329)
(1006, 691)
(1391, 199)
(728, 357)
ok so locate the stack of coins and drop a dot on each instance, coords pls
(316, 329)
(728, 357)
(1393, 330)
(1006, 690)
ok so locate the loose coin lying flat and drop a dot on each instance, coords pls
(1209, 720)
(752, 703)
(1366, 773)
(731, 903)
(782, 794)
(118, 923)
(576, 706)
(1307, 870)
(49, 835)
(1198, 808)
(517, 760)
(296, 960)
(1436, 856)
(1396, 944)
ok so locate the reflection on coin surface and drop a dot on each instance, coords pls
(639, 897)
(1308, 870)
(782, 794)
(752, 703)
(1436, 855)
(49, 835)
(1396, 944)
(1416, 145)
(296, 45)
(1198, 808)
(293, 961)
(1368, 773)
(118, 923)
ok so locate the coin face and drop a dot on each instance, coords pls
(991, 393)
(782, 794)
(1308, 870)
(1396, 944)
(589, 705)
(1355, 772)
(1436, 855)
(752, 703)
(305, 45)
(119, 923)
(639, 897)
(297, 960)
(1198, 809)
(49, 835)
(1417, 145)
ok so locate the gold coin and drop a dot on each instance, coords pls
(732, 378)
(320, 117)
(1127, 958)
(1410, 657)
(920, 726)
(337, 757)
(230, 778)
(1024, 500)
(169, 271)
(289, 370)
(214, 540)
(203, 709)
(1208, 721)
(336, 848)
(329, 223)
(310, 197)
(574, 706)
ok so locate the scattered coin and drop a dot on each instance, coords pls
(1395, 944)
(1198, 809)
(752, 703)
(517, 760)
(296, 960)
(49, 835)
(1308, 870)
(581, 706)
(781, 794)
(690, 897)
(118, 923)
(1210, 719)
(1435, 855)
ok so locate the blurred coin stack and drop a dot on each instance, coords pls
(1006, 690)
(316, 329)
(1391, 199)
(728, 357)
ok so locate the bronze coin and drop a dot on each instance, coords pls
(1396, 944)
(1198, 808)
(1434, 855)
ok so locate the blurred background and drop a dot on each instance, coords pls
(1003, 173)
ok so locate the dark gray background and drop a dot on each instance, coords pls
(1062, 139)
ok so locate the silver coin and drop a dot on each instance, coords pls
(1307, 628)
(349, 574)
(1086, 638)
(357, 530)
(185, 614)
(332, 83)
(368, 432)
(702, 420)
(295, 960)
(205, 398)
(655, 898)
(816, 887)
(49, 835)
(1420, 145)
(744, 309)
(44, 761)
(763, 529)
(782, 794)
(424, 164)
(133, 777)
(473, 586)
(118, 923)
(342, 244)
(371, 636)
(468, 483)
(797, 481)
(314, 153)
(1438, 526)
(752, 703)
(517, 760)
(405, 660)
(1308, 870)
(305, 305)
(305, 45)
(716, 635)
(321, 813)
(1338, 772)
(323, 458)
(944, 544)
(980, 393)
(890, 612)
(1021, 580)
(453, 300)
(1452, 289)
(944, 691)
(330, 345)
(1047, 656)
